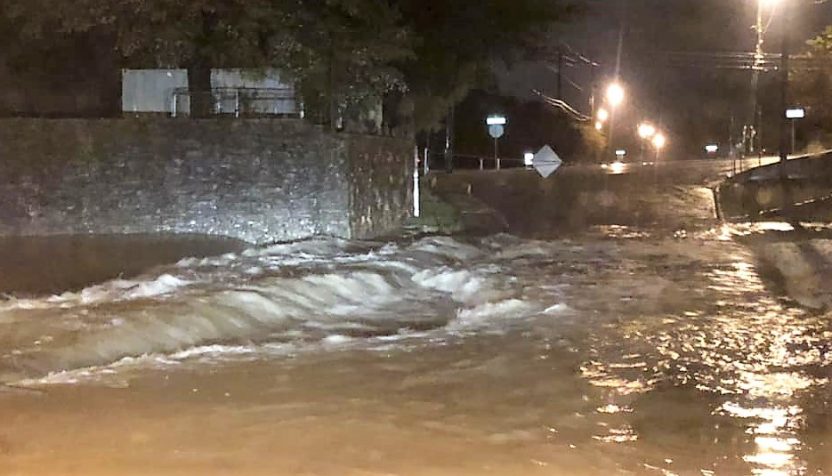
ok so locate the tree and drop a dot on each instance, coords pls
(340, 52)
(346, 44)
(813, 87)
(457, 42)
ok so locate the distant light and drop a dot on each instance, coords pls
(711, 148)
(646, 131)
(603, 115)
(599, 125)
(528, 159)
(659, 141)
(615, 94)
(769, 3)
(620, 153)
(496, 120)
(795, 113)
(618, 167)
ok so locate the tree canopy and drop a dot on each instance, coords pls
(813, 87)
(338, 51)
(343, 46)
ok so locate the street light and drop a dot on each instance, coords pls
(603, 115)
(615, 94)
(659, 141)
(599, 125)
(646, 130)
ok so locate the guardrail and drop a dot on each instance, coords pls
(437, 161)
(239, 102)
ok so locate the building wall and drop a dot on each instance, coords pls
(380, 196)
(153, 90)
(256, 180)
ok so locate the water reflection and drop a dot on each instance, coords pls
(775, 438)
(737, 347)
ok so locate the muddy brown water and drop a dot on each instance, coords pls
(621, 351)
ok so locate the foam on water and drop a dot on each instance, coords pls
(329, 291)
(111, 291)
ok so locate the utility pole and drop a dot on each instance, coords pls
(784, 91)
(611, 139)
(593, 91)
(752, 139)
(449, 141)
(788, 203)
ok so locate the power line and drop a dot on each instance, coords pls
(735, 60)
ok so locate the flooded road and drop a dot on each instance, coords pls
(623, 351)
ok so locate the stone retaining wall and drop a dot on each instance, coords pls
(256, 180)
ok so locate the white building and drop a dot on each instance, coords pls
(233, 91)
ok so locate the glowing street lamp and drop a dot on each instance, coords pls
(599, 125)
(615, 94)
(603, 115)
(659, 141)
(646, 130)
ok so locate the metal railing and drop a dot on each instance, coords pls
(436, 161)
(239, 102)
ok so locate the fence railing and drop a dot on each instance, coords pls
(238, 102)
(437, 161)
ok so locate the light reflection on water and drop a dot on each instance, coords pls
(745, 348)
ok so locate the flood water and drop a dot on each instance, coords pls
(622, 351)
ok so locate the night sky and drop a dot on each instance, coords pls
(657, 90)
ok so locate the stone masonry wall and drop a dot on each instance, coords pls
(256, 180)
(381, 196)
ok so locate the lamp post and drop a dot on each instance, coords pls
(752, 138)
(615, 96)
(646, 131)
(784, 90)
(659, 142)
(788, 201)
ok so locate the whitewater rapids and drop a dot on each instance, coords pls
(299, 293)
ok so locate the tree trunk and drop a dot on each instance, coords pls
(199, 89)
(199, 71)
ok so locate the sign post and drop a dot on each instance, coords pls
(496, 128)
(795, 113)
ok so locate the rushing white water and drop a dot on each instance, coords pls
(300, 292)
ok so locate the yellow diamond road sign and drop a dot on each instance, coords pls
(546, 162)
